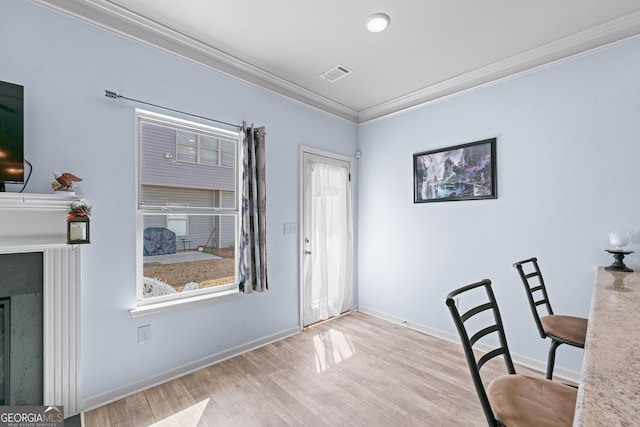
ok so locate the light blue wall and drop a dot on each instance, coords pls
(567, 158)
(568, 145)
(65, 66)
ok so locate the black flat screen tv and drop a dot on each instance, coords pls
(11, 134)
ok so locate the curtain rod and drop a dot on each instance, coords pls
(113, 95)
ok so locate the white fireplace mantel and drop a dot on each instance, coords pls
(37, 223)
(38, 219)
(57, 200)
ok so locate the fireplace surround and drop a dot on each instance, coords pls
(37, 223)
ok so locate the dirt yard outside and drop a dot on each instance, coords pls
(205, 273)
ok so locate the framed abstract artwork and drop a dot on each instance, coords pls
(460, 172)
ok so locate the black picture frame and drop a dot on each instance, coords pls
(460, 172)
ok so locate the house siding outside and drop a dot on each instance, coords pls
(227, 223)
(155, 195)
(156, 141)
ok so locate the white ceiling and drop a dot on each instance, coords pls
(432, 48)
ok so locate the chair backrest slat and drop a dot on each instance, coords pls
(475, 311)
(483, 333)
(490, 355)
(536, 289)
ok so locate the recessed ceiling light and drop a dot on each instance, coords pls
(377, 22)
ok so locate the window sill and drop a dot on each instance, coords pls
(159, 307)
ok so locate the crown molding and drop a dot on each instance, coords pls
(114, 18)
(126, 23)
(581, 43)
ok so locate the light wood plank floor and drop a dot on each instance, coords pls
(356, 370)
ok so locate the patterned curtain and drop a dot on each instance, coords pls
(253, 214)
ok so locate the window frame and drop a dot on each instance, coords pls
(219, 150)
(222, 151)
(165, 302)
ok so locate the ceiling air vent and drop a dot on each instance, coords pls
(335, 73)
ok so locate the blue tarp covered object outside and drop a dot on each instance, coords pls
(159, 241)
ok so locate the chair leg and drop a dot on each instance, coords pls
(552, 358)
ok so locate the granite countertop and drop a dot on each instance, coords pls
(609, 391)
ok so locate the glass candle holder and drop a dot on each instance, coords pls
(619, 239)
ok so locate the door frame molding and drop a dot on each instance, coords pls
(305, 149)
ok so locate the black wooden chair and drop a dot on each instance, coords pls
(560, 329)
(511, 399)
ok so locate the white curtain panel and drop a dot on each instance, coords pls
(328, 271)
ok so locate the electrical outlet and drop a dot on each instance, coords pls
(291, 228)
(144, 334)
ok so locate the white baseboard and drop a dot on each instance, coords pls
(101, 399)
(536, 365)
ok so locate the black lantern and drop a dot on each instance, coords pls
(78, 222)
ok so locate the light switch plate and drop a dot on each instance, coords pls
(290, 228)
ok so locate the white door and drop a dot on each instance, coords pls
(327, 236)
